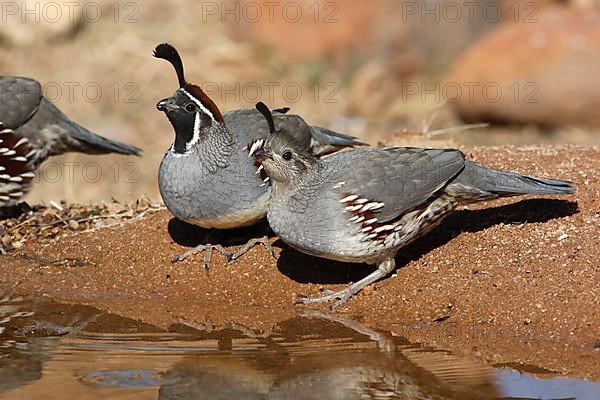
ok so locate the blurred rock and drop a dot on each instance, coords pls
(304, 29)
(377, 85)
(401, 79)
(543, 72)
(352, 31)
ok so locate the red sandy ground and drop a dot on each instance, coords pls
(510, 282)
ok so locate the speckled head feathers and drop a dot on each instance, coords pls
(282, 157)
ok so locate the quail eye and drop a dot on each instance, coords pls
(287, 156)
(190, 107)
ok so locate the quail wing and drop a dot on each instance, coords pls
(393, 181)
(19, 100)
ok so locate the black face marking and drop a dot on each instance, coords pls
(183, 119)
(184, 131)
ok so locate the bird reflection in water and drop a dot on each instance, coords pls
(324, 356)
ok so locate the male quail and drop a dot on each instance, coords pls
(33, 129)
(206, 178)
(362, 205)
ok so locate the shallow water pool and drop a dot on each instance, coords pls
(57, 351)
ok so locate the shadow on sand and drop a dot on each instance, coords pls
(190, 235)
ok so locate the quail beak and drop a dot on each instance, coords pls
(167, 105)
(260, 155)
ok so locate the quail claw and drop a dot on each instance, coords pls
(342, 297)
(301, 299)
(251, 243)
(383, 269)
(341, 301)
(207, 249)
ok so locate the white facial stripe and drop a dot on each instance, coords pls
(196, 136)
(175, 154)
(199, 104)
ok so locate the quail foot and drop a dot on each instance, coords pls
(206, 177)
(33, 129)
(362, 205)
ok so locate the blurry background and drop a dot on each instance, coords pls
(387, 71)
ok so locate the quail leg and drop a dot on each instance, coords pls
(207, 249)
(251, 243)
(343, 295)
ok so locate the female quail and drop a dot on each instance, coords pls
(363, 205)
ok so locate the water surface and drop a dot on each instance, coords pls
(56, 351)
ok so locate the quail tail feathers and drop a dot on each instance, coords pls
(91, 143)
(476, 183)
(325, 141)
(85, 141)
(327, 136)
